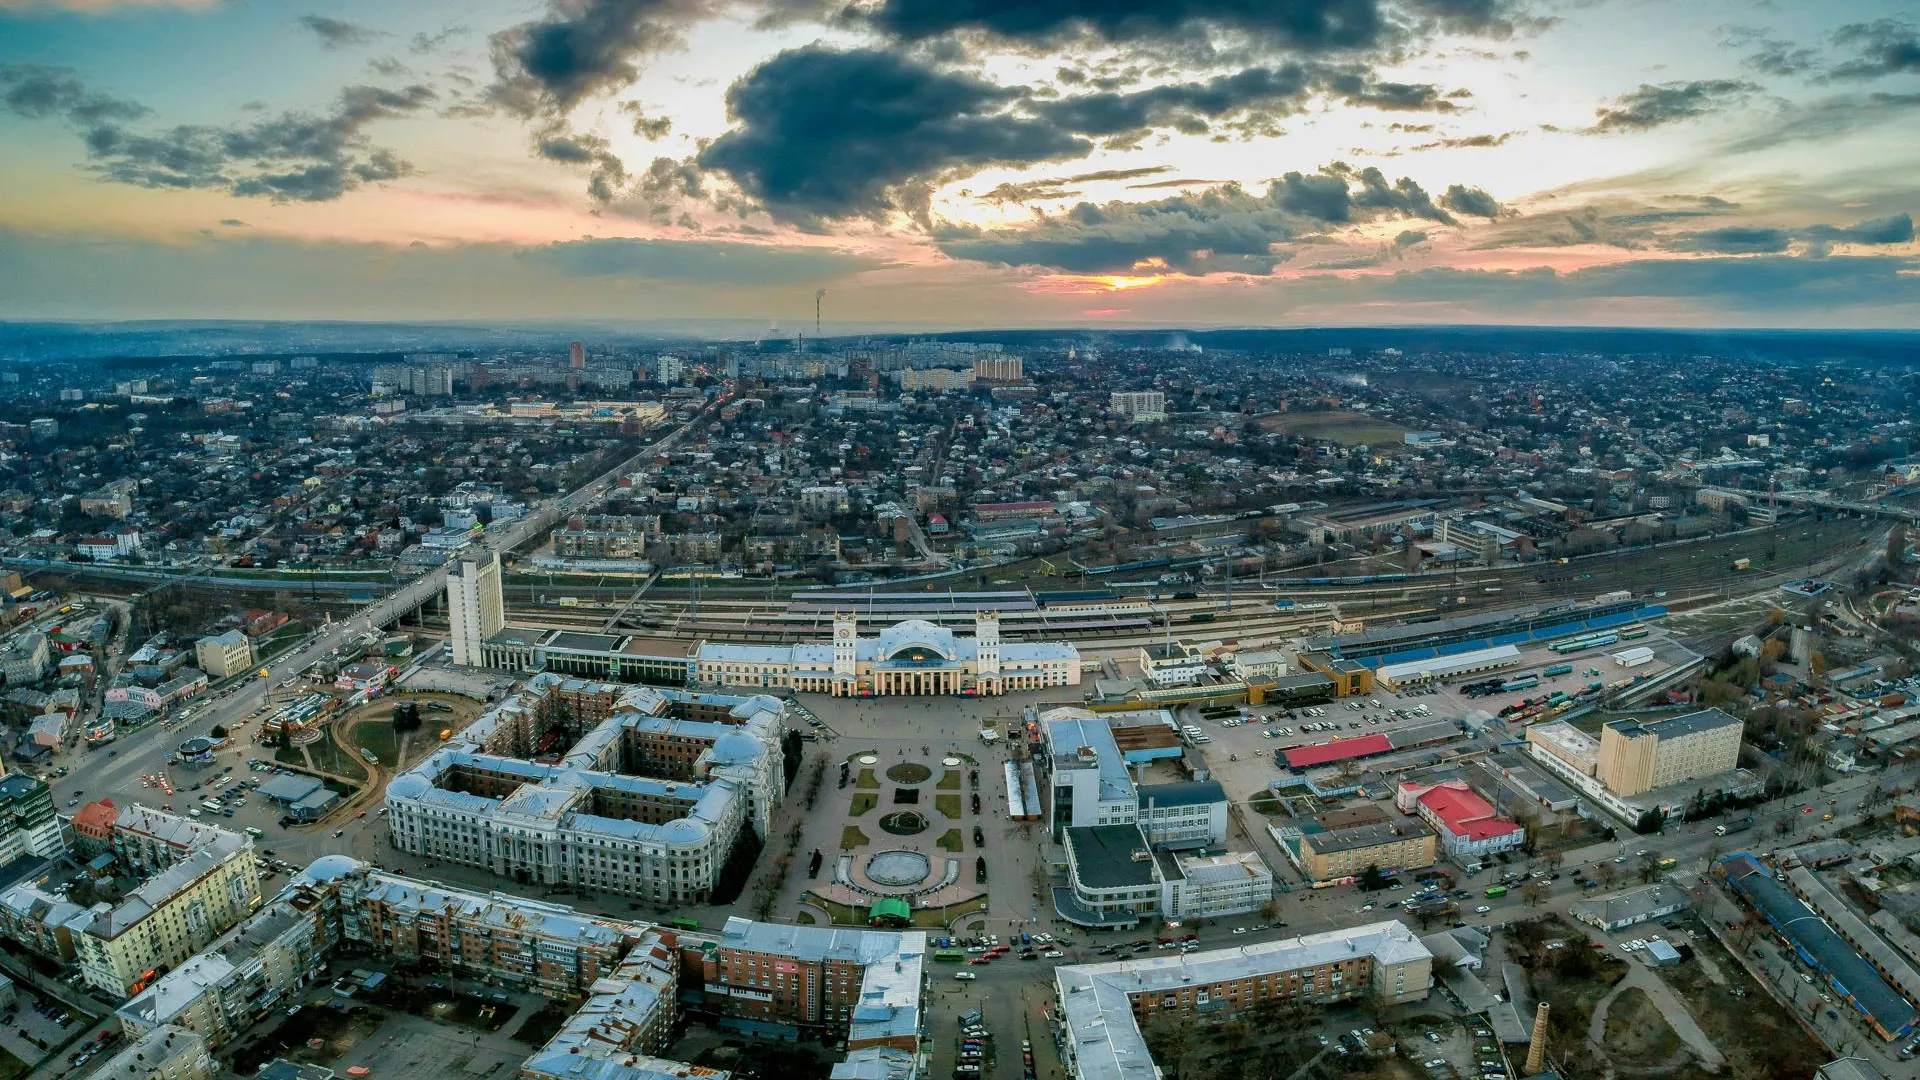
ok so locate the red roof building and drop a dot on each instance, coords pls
(1327, 753)
(1468, 825)
(95, 820)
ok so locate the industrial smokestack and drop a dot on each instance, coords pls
(1537, 1048)
(818, 295)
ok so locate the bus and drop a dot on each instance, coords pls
(949, 956)
(1496, 892)
(683, 924)
(255, 832)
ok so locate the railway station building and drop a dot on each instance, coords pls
(908, 658)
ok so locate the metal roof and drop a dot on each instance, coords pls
(1816, 941)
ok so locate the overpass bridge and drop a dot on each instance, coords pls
(1818, 501)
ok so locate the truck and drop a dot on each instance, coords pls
(1734, 826)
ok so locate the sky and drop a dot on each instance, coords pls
(936, 164)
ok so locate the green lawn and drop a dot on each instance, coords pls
(948, 805)
(378, 737)
(950, 841)
(862, 803)
(865, 779)
(851, 837)
(949, 780)
(331, 758)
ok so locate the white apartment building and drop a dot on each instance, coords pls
(1138, 404)
(1208, 886)
(647, 802)
(163, 1053)
(1174, 663)
(476, 609)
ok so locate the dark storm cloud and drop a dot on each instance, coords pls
(1772, 240)
(1360, 88)
(581, 48)
(296, 156)
(1319, 196)
(1471, 201)
(647, 127)
(1653, 106)
(1896, 229)
(1299, 24)
(337, 33)
(705, 262)
(1736, 240)
(1185, 107)
(1493, 18)
(1253, 96)
(822, 133)
(1229, 230)
(1402, 197)
(44, 93)
(608, 173)
(1886, 47)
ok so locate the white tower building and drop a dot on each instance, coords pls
(986, 644)
(475, 607)
(845, 646)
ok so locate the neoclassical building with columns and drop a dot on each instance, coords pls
(912, 657)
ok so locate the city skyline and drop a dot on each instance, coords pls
(1330, 162)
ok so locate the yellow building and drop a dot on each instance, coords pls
(1351, 678)
(1388, 844)
(224, 655)
(175, 914)
(1638, 756)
